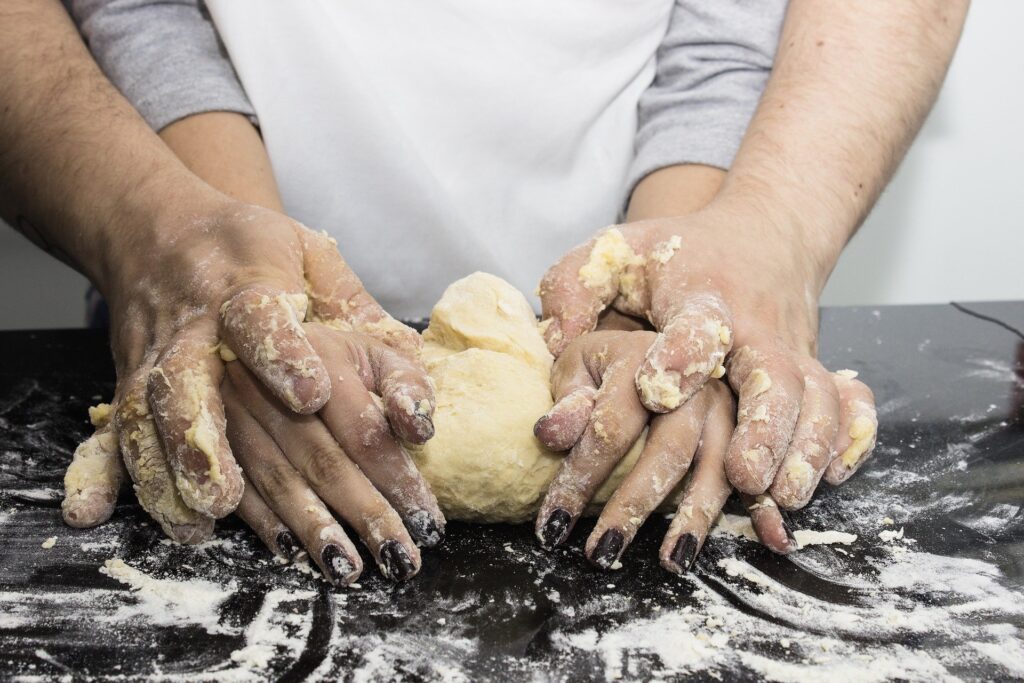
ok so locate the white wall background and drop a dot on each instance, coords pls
(951, 224)
(949, 227)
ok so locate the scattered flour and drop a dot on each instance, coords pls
(740, 526)
(675, 638)
(274, 631)
(1008, 654)
(734, 567)
(806, 537)
(167, 602)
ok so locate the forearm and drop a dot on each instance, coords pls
(80, 171)
(851, 86)
(674, 191)
(225, 150)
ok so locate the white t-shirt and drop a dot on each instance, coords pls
(432, 139)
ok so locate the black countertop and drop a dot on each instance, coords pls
(944, 601)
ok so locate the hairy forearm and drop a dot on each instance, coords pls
(852, 83)
(79, 169)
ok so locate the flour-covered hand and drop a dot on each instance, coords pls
(346, 459)
(598, 415)
(729, 296)
(213, 278)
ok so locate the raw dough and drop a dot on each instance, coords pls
(490, 366)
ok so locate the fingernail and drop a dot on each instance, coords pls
(337, 564)
(395, 562)
(684, 552)
(423, 529)
(539, 424)
(786, 523)
(287, 544)
(607, 550)
(426, 424)
(555, 529)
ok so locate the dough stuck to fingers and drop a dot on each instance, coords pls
(149, 469)
(94, 477)
(858, 427)
(263, 328)
(189, 416)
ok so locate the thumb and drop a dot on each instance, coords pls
(583, 283)
(95, 474)
(338, 298)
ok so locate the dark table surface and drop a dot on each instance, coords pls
(944, 602)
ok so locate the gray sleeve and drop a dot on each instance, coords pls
(163, 55)
(712, 67)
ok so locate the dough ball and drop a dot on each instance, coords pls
(486, 356)
(482, 311)
(484, 464)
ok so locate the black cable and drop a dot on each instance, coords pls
(981, 316)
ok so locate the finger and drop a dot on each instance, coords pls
(706, 490)
(315, 454)
(149, 469)
(811, 450)
(184, 396)
(615, 424)
(254, 511)
(574, 391)
(401, 382)
(286, 493)
(768, 523)
(263, 327)
(584, 282)
(770, 388)
(696, 334)
(858, 427)
(563, 425)
(338, 298)
(94, 477)
(356, 420)
(671, 442)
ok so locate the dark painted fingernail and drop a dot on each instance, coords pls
(539, 424)
(607, 550)
(287, 544)
(685, 552)
(426, 424)
(555, 529)
(395, 562)
(424, 529)
(337, 563)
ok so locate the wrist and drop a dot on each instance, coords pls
(800, 237)
(164, 212)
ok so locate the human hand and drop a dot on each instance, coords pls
(216, 270)
(344, 458)
(598, 414)
(725, 290)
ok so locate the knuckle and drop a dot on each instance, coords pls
(373, 428)
(323, 467)
(608, 426)
(276, 479)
